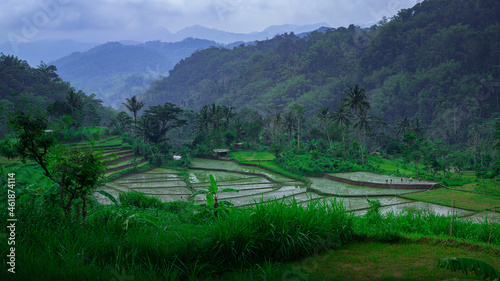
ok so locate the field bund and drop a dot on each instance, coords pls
(396, 184)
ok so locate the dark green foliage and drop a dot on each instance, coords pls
(470, 266)
(373, 214)
(139, 200)
(434, 63)
(315, 162)
(41, 85)
(158, 120)
(77, 170)
(133, 105)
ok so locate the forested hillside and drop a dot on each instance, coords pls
(437, 63)
(22, 85)
(115, 71)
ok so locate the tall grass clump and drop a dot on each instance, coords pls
(425, 223)
(139, 200)
(278, 231)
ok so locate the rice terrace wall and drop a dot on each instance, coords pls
(426, 186)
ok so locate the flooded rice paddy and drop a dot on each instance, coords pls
(255, 184)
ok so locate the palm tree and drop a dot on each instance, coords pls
(75, 100)
(203, 118)
(227, 113)
(356, 101)
(363, 125)
(277, 123)
(134, 105)
(289, 122)
(323, 116)
(418, 129)
(300, 111)
(340, 118)
(403, 125)
(215, 115)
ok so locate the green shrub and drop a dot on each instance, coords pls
(279, 231)
(139, 200)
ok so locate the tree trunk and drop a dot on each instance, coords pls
(84, 209)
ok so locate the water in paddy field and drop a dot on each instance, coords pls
(161, 171)
(343, 189)
(300, 196)
(103, 199)
(165, 191)
(242, 193)
(419, 206)
(155, 184)
(231, 166)
(172, 198)
(117, 187)
(148, 177)
(490, 216)
(376, 178)
(203, 176)
(254, 186)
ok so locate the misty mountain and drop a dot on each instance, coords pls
(224, 37)
(48, 50)
(115, 71)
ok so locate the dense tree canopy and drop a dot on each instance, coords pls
(437, 61)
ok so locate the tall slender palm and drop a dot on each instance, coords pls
(215, 114)
(289, 122)
(340, 118)
(227, 113)
(277, 123)
(418, 129)
(362, 125)
(75, 100)
(324, 116)
(300, 111)
(134, 105)
(356, 100)
(404, 125)
(203, 118)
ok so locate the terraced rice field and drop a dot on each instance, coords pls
(486, 215)
(372, 177)
(420, 206)
(255, 184)
(342, 189)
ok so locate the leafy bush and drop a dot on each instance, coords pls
(139, 200)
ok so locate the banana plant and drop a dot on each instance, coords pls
(212, 193)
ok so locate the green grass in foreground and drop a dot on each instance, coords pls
(383, 261)
(151, 240)
(460, 199)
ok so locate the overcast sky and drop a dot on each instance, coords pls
(142, 20)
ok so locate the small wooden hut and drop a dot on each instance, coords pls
(221, 152)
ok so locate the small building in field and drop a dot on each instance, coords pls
(221, 152)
